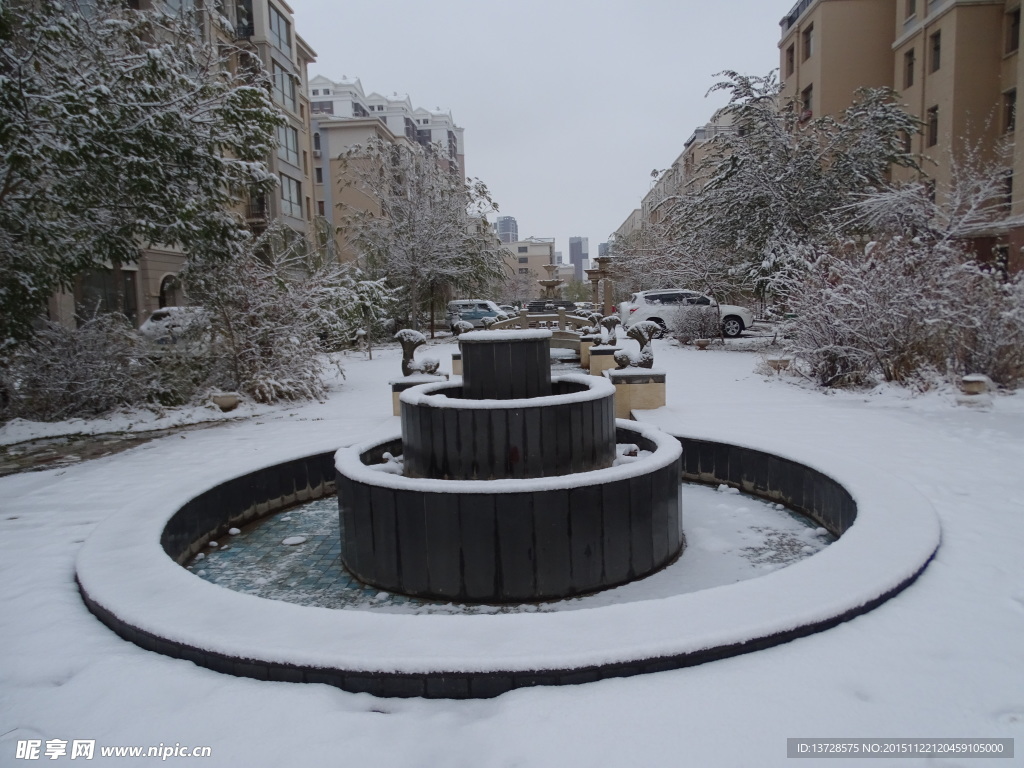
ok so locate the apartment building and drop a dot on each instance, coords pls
(507, 229)
(346, 99)
(524, 266)
(528, 257)
(579, 255)
(264, 28)
(830, 48)
(676, 179)
(953, 63)
(344, 115)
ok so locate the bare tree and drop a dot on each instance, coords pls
(429, 236)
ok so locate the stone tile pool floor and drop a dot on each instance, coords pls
(295, 556)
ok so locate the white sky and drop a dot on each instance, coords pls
(567, 106)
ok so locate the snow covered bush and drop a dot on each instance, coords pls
(270, 310)
(903, 310)
(118, 127)
(989, 337)
(696, 323)
(81, 372)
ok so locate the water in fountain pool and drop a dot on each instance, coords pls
(295, 556)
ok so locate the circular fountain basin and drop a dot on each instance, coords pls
(510, 540)
(129, 577)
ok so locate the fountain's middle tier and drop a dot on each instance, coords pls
(447, 436)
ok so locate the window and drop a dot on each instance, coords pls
(524, 259)
(284, 86)
(322, 107)
(524, 270)
(905, 139)
(358, 110)
(319, 174)
(327, 91)
(316, 92)
(523, 248)
(1013, 31)
(280, 31)
(911, 8)
(288, 144)
(807, 102)
(1010, 111)
(790, 60)
(320, 207)
(936, 47)
(909, 60)
(291, 197)
(316, 141)
(98, 290)
(932, 127)
(808, 42)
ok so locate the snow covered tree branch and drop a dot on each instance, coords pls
(427, 232)
(119, 129)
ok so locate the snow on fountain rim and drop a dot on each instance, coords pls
(506, 335)
(427, 395)
(123, 568)
(667, 450)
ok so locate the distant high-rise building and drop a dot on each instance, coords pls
(579, 253)
(558, 257)
(507, 229)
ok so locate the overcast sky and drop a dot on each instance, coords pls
(567, 106)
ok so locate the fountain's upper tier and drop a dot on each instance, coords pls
(506, 365)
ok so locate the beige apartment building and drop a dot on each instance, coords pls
(524, 264)
(345, 116)
(954, 65)
(264, 28)
(675, 180)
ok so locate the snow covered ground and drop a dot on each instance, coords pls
(945, 658)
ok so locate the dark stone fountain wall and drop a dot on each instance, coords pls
(556, 436)
(508, 491)
(511, 545)
(505, 369)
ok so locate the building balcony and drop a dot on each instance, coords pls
(795, 13)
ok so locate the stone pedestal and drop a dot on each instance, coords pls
(586, 342)
(398, 386)
(640, 389)
(601, 359)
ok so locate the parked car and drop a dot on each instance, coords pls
(472, 311)
(169, 325)
(541, 305)
(662, 307)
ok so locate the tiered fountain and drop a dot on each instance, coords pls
(507, 485)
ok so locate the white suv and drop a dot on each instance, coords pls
(662, 306)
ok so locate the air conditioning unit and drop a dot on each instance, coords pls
(316, 153)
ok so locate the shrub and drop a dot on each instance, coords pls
(85, 371)
(695, 323)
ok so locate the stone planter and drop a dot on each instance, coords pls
(601, 359)
(637, 388)
(778, 363)
(226, 401)
(702, 344)
(398, 386)
(974, 384)
(586, 342)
